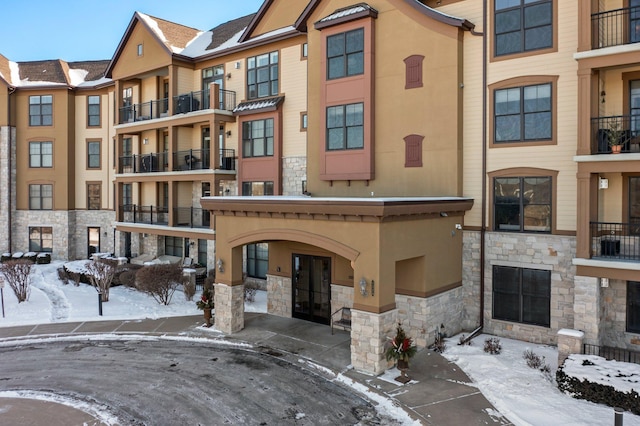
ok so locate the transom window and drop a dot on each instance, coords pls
(345, 54)
(41, 110)
(41, 197)
(257, 138)
(522, 26)
(633, 307)
(262, 75)
(41, 239)
(93, 110)
(40, 154)
(523, 113)
(522, 204)
(93, 154)
(345, 127)
(522, 295)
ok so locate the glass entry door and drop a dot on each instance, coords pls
(311, 288)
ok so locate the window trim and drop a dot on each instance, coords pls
(519, 82)
(266, 144)
(269, 66)
(40, 196)
(304, 121)
(41, 155)
(345, 55)
(89, 115)
(88, 193)
(345, 128)
(554, 36)
(41, 239)
(88, 143)
(519, 172)
(29, 115)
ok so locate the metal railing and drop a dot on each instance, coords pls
(151, 215)
(144, 111)
(620, 241)
(607, 352)
(145, 163)
(615, 27)
(191, 217)
(627, 128)
(199, 159)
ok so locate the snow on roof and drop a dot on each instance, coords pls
(259, 104)
(77, 76)
(344, 12)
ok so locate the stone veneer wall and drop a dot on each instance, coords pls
(369, 333)
(7, 174)
(422, 317)
(94, 218)
(229, 308)
(587, 308)
(470, 280)
(62, 222)
(550, 252)
(294, 171)
(341, 296)
(614, 317)
(279, 296)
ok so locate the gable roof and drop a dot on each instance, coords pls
(224, 32)
(55, 72)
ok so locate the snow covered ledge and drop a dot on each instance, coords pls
(569, 342)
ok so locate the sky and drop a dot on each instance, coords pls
(525, 396)
(83, 30)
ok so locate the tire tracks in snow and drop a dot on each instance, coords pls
(60, 307)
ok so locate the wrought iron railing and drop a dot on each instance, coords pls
(144, 111)
(191, 217)
(620, 241)
(145, 163)
(619, 354)
(199, 159)
(151, 215)
(625, 127)
(615, 27)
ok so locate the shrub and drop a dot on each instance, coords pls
(250, 290)
(16, 273)
(30, 256)
(159, 281)
(43, 258)
(63, 275)
(537, 362)
(5, 257)
(462, 341)
(101, 274)
(492, 346)
(126, 275)
(189, 290)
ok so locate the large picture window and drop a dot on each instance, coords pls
(522, 26)
(41, 239)
(345, 127)
(345, 54)
(257, 138)
(523, 114)
(41, 110)
(258, 260)
(522, 295)
(522, 204)
(262, 75)
(633, 307)
(41, 197)
(40, 154)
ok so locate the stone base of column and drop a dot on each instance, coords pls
(369, 334)
(569, 342)
(229, 308)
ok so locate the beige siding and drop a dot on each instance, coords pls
(293, 84)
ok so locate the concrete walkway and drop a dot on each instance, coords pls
(438, 394)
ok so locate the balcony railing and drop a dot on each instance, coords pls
(192, 217)
(144, 111)
(615, 27)
(151, 215)
(618, 241)
(145, 163)
(198, 159)
(627, 127)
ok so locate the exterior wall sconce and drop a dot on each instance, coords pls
(228, 76)
(220, 265)
(228, 133)
(363, 286)
(602, 95)
(145, 141)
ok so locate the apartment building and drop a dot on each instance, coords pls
(436, 162)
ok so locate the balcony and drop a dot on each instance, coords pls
(145, 163)
(144, 111)
(626, 126)
(192, 159)
(191, 217)
(615, 241)
(150, 215)
(615, 27)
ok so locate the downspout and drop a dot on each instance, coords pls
(483, 220)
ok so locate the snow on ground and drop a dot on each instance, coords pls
(523, 394)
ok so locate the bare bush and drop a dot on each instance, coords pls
(63, 275)
(101, 274)
(538, 362)
(17, 273)
(492, 345)
(189, 290)
(159, 281)
(250, 290)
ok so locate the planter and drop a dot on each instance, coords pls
(207, 317)
(403, 366)
(616, 149)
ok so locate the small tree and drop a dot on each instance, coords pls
(101, 273)
(17, 274)
(159, 281)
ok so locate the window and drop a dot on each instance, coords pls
(93, 154)
(257, 138)
(522, 26)
(522, 295)
(257, 188)
(174, 246)
(633, 306)
(40, 154)
(304, 121)
(41, 110)
(345, 54)
(202, 252)
(257, 260)
(345, 127)
(93, 111)
(523, 113)
(305, 50)
(634, 205)
(94, 191)
(41, 197)
(127, 196)
(140, 50)
(41, 239)
(262, 75)
(413, 71)
(522, 204)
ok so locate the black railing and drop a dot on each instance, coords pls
(189, 102)
(191, 217)
(615, 27)
(145, 163)
(191, 159)
(624, 128)
(227, 159)
(607, 352)
(620, 241)
(151, 215)
(144, 111)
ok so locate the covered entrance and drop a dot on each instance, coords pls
(311, 288)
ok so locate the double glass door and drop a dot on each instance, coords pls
(312, 288)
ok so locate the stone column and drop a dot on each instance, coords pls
(586, 308)
(229, 308)
(569, 342)
(369, 334)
